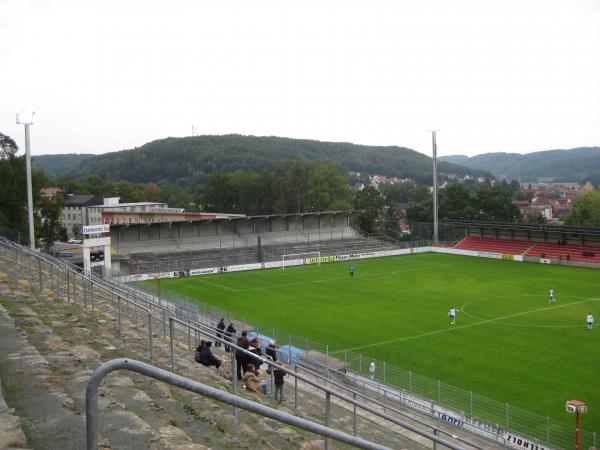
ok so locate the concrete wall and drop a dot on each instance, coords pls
(311, 222)
(295, 223)
(169, 231)
(279, 224)
(244, 226)
(263, 225)
(207, 229)
(226, 227)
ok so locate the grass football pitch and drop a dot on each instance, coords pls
(508, 343)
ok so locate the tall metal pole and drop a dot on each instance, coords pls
(435, 190)
(26, 118)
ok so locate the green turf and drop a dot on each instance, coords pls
(508, 344)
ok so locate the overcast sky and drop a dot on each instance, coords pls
(505, 75)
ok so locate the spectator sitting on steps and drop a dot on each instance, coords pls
(251, 379)
(206, 358)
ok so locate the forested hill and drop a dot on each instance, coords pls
(56, 166)
(189, 161)
(578, 164)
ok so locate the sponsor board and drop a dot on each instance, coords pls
(417, 403)
(140, 277)
(508, 256)
(272, 264)
(521, 443)
(342, 257)
(167, 274)
(447, 415)
(321, 259)
(545, 261)
(485, 429)
(206, 271)
(95, 229)
(489, 255)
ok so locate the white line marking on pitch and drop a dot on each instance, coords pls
(482, 322)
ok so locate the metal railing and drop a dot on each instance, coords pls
(204, 330)
(129, 304)
(500, 415)
(388, 379)
(91, 402)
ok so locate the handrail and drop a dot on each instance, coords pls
(386, 406)
(328, 391)
(91, 402)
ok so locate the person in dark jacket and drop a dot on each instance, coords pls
(206, 358)
(220, 328)
(240, 357)
(278, 375)
(229, 333)
(255, 348)
(271, 351)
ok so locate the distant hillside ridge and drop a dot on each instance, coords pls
(56, 166)
(577, 164)
(189, 161)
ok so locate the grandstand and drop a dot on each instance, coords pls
(151, 262)
(494, 245)
(534, 242)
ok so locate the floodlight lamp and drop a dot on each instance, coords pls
(25, 118)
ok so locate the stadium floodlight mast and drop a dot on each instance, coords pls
(435, 189)
(26, 118)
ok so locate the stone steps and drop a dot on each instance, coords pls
(60, 344)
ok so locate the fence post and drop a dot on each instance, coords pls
(289, 348)
(296, 388)
(327, 417)
(119, 316)
(92, 299)
(354, 414)
(233, 376)
(172, 338)
(40, 274)
(150, 334)
(84, 283)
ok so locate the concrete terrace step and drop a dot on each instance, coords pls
(59, 346)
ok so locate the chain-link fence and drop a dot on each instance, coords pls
(501, 415)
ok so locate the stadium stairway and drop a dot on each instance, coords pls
(49, 347)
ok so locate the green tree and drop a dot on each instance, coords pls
(586, 211)
(456, 203)
(49, 229)
(495, 205)
(8, 147)
(371, 204)
(92, 184)
(326, 189)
